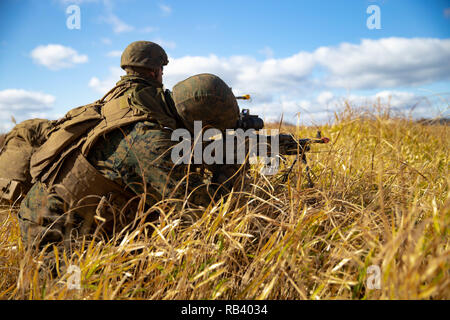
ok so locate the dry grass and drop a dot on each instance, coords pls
(381, 197)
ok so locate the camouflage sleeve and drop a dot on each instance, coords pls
(140, 158)
(41, 217)
(230, 174)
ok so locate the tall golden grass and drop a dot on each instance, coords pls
(381, 197)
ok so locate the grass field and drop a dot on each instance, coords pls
(380, 203)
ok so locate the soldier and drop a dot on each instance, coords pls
(108, 165)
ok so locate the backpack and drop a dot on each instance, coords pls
(79, 130)
(15, 154)
(17, 169)
(64, 136)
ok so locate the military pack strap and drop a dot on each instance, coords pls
(15, 160)
(79, 183)
(85, 189)
(9, 189)
(116, 113)
(121, 87)
(116, 91)
(68, 133)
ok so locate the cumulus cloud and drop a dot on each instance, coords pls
(246, 74)
(321, 108)
(56, 56)
(20, 104)
(384, 63)
(396, 100)
(103, 86)
(325, 97)
(114, 53)
(311, 82)
(19, 99)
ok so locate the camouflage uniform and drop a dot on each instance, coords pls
(137, 157)
(15, 154)
(119, 149)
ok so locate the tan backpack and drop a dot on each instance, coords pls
(61, 161)
(80, 129)
(17, 148)
(63, 138)
(17, 169)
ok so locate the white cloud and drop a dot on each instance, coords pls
(322, 107)
(385, 63)
(114, 53)
(20, 104)
(56, 56)
(103, 86)
(303, 105)
(246, 74)
(397, 99)
(394, 99)
(325, 97)
(372, 64)
(311, 82)
(19, 99)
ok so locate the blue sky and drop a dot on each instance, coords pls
(291, 56)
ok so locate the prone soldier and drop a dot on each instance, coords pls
(107, 166)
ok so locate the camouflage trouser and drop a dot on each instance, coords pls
(41, 217)
(139, 157)
(45, 219)
(136, 157)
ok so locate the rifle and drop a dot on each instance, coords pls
(291, 146)
(287, 143)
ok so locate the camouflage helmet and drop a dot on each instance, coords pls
(144, 54)
(206, 97)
